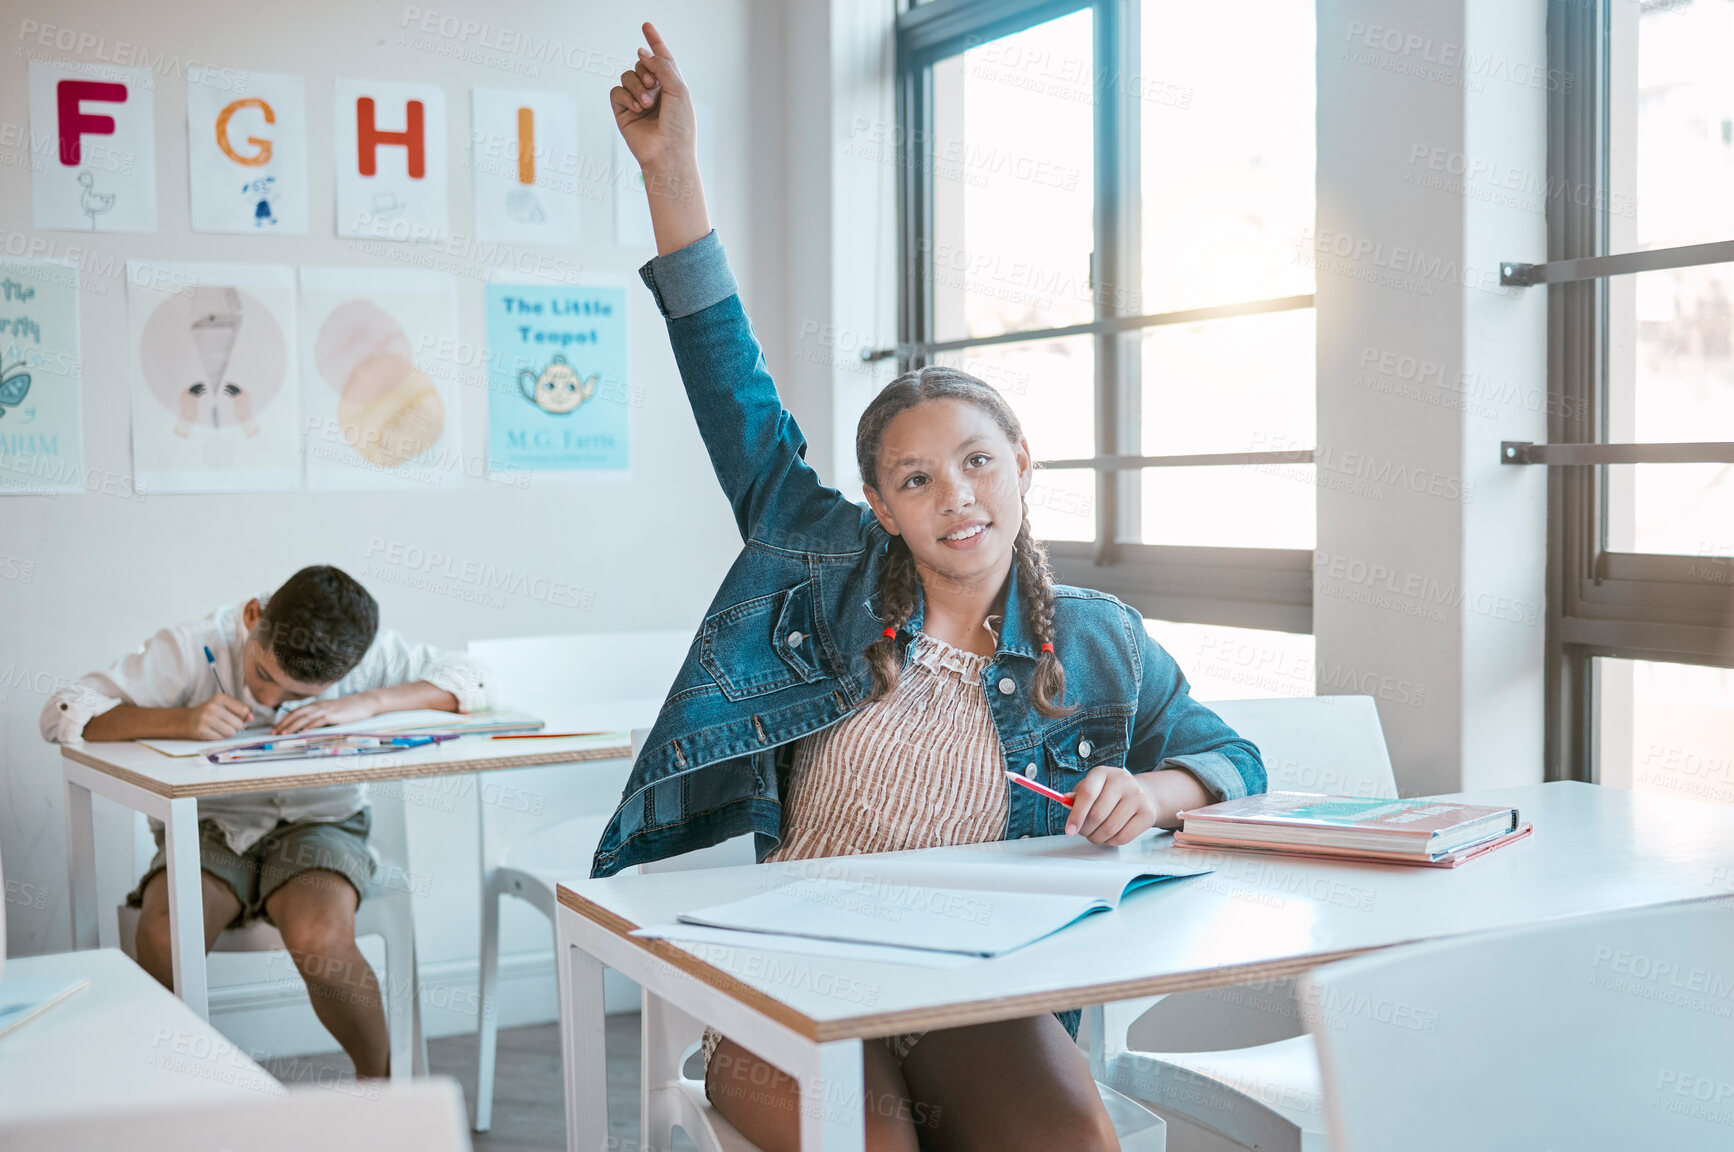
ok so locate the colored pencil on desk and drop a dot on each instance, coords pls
(543, 735)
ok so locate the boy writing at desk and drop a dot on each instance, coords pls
(310, 655)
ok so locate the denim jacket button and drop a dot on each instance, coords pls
(794, 639)
(1029, 771)
(1084, 747)
(1007, 686)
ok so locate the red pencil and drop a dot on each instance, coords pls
(1043, 789)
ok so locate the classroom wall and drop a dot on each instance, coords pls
(104, 572)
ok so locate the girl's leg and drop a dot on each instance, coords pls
(1017, 1084)
(764, 1103)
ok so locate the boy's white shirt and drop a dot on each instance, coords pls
(170, 671)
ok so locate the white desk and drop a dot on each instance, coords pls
(1258, 917)
(168, 787)
(123, 1043)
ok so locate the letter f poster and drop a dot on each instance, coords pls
(558, 396)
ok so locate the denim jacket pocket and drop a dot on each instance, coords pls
(1078, 743)
(763, 645)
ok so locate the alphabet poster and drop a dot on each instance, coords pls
(379, 396)
(213, 370)
(41, 432)
(391, 160)
(524, 157)
(558, 397)
(92, 148)
(247, 152)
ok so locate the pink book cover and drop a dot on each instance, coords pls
(1419, 819)
(1462, 855)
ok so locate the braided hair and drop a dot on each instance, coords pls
(898, 579)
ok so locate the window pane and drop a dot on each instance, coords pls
(1685, 124)
(1012, 182)
(1680, 509)
(1676, 381)
(1667, 728)
(1226, 100)
(1255, 506)
(1237, 663)
(1062, 504)
(1229, 385)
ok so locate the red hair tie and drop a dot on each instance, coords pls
(1047, 647)
(890, 633)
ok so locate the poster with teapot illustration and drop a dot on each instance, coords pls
(380, 380)
(213, 377)
(559, 401)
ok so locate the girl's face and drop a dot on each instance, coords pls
(952, 485)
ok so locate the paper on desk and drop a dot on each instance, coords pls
(699, 934)
(414, 718)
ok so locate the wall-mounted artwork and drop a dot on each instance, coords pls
(41, 432)
(214, 397)
(92, 148)
(247, 152)
(525, 163)
(391, 160)
(558, 397)
(380, 389)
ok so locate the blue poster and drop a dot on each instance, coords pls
(558, 398)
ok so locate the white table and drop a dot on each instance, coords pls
(1257, 917)
(169, 787)
(123, 1043)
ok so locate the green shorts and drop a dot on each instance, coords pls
(287, 850)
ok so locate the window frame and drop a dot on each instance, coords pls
(1265, 588)
(1635, 606)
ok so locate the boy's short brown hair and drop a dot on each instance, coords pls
(318, 625)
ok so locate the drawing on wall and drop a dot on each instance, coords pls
(247, 154)
(390, 142)
(381, 403)
(214, 408)
(41, 429)
(558, 398)
(524, 159)
(92, 147)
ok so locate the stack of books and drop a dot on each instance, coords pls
(1433, 833)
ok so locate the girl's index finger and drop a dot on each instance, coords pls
(658, 46)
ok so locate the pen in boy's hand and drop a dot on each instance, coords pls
(1041, 789)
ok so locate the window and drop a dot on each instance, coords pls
(1101, 205)
(1641, 360)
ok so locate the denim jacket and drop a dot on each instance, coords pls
(781, 653)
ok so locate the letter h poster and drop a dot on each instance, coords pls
(558, 396)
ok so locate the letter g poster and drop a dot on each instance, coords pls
(558, 396)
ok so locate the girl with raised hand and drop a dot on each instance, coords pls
(867, 675)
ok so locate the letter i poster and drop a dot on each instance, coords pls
(558, 396)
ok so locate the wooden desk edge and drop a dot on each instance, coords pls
(949, 1016)
(231, 787)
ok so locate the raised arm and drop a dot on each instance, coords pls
(755, 446)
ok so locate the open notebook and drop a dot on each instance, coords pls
(415, 720)
(956, 901)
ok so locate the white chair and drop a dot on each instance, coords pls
(1607, 1031)
(387, 912)
(427, 1115)
(1236, 1061)
(600, 681)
